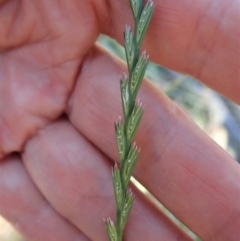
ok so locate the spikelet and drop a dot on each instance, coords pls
(126, 128)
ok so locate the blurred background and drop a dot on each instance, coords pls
(214, 114)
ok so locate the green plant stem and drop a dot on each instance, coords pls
(126, 129)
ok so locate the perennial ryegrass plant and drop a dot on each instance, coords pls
(126, 127)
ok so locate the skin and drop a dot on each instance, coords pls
(59, 97)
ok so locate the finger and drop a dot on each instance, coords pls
(24, 206)
(60, 157)
(201, 39)
(192, 176)
(53, 27)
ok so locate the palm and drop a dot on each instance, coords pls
(44, 52)
(49, 66)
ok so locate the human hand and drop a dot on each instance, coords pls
(57, 185)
